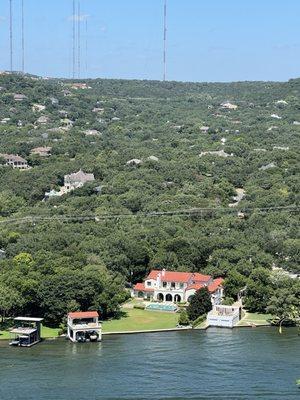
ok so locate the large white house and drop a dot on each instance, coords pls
(170, 286)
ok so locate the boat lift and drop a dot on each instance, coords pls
(27, 332)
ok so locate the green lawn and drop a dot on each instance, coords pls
(4, 335)
(46, 333)
(136, 320)
(49, 332)
(255, 318)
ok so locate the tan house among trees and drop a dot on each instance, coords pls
(77, 180)
(15, 161)
(41, 151)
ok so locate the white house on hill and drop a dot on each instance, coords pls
(170, 286)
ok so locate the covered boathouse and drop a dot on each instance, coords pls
(27, 331)
(84, 326)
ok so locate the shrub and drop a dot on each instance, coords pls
(183, 318)
(199, 320)
(139, 306)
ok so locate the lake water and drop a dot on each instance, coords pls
(255, 363)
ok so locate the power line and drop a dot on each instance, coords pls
(11, 34)
(194, 212)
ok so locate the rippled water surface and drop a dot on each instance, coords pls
(216, 364)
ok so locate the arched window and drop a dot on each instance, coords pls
(169, 297)
(177, 298)
(160, 297)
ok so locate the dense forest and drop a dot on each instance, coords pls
(168, 159)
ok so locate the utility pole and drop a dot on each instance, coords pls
(165, 40)
(11, 35)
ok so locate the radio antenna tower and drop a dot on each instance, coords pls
(11, 34)
(79, 36)
(73, 38)
(165, 40)
(86, 46)
(23, 38)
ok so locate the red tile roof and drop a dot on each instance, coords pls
(140, 287)
(195, 286)
(83, 314)
(215, 284)
(170, 276)
(200, 277)
(153, 274)
(174, 276)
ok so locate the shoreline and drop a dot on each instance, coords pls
(138, 332)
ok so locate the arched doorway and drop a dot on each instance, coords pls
(140, 294)
(190, 298)
(177, 298)
(160, 297)
(169, 297)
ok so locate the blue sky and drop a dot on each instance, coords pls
(208, 40)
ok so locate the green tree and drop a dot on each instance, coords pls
(258, 291)
(200, 304)
(285, 306)
(10, 301)
(234, 283)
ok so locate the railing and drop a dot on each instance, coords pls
(94, 325)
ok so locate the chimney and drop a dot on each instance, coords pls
(163, 273)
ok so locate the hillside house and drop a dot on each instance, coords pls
(92, 132)
(220, 153)
(4, 121)
(38, 107)
(19, 97)
(41, 151)
(229, 106)
(77, 180)
(152, 158)
(98, 110)
(54, 101)
(84, 326)
(66, 123)
(42, 120)
(276, 116)
(80, 85)
(169, 286)
(15, 161)
(134, 162)
(71, 182)
(204, 129)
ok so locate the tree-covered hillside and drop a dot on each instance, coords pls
(58, 260)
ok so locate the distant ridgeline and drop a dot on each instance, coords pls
(149, 149)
